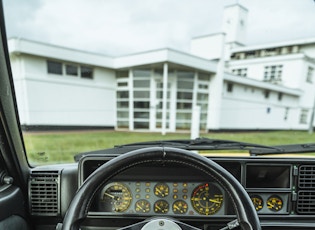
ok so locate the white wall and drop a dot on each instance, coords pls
(247, 108)
(208, 47)
(291, 71)
(66, 100)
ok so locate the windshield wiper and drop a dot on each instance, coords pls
(296, 148)
(204, 144)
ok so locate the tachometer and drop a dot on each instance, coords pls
(116, 197)
(207, 199)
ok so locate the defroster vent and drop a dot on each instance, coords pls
(306, 194)
(44, 193)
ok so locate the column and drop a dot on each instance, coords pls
(164, 108)
(130, 86)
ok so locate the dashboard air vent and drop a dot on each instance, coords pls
(306, 202)
(44, 193)
(307, 177)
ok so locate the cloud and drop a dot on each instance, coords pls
(117, 27)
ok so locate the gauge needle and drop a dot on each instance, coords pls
(158, 190)
(111, 196)
(139, 207)
(214, 201)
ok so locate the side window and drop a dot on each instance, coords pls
(86, 72)
(240, 72)
(54, 67)
(273, 73)
(71, 70)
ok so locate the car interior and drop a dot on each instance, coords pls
(151, 185)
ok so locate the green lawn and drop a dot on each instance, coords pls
(52, 147)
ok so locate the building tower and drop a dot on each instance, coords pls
(235, 25)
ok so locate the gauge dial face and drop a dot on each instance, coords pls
(257, 201)
(207, 199)
(142, 206)
(161, 206)
(116, 197)
(274, 203)
(161, 190)
(180, 207)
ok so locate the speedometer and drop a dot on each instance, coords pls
(116, 197)
(207, 199)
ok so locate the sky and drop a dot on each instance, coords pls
(120, 27)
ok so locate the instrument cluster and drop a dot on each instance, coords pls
(171, 198)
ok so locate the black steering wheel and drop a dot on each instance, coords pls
(247, 217)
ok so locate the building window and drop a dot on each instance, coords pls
(270, 52)
(86, 72)
(309, 77)
(266, 93)
(273, 73)
(229, 87)
(242, 72)
(280, 95)
(303, 116)
(250, 54)
(71, 70)
(54, 67)
(122, 74)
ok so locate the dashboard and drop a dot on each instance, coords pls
(182, 191)
(281, 189)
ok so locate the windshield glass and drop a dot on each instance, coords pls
(90, 75)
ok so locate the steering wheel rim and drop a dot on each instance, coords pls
(80, 204)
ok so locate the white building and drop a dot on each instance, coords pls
(236, 87)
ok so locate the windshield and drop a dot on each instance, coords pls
(90, 75)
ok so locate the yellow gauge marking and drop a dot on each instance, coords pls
(161, 190)
(207, 200)
(118, 195)
(257, 202)
(274, 203)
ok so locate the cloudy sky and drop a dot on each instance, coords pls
(117, 27)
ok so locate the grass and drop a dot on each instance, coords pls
(54, 147)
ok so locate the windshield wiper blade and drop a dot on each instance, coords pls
(203, 144)
(295, 148)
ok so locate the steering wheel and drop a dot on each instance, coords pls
(247, 217)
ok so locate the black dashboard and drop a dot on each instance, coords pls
(178, 190)
(281, 189)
